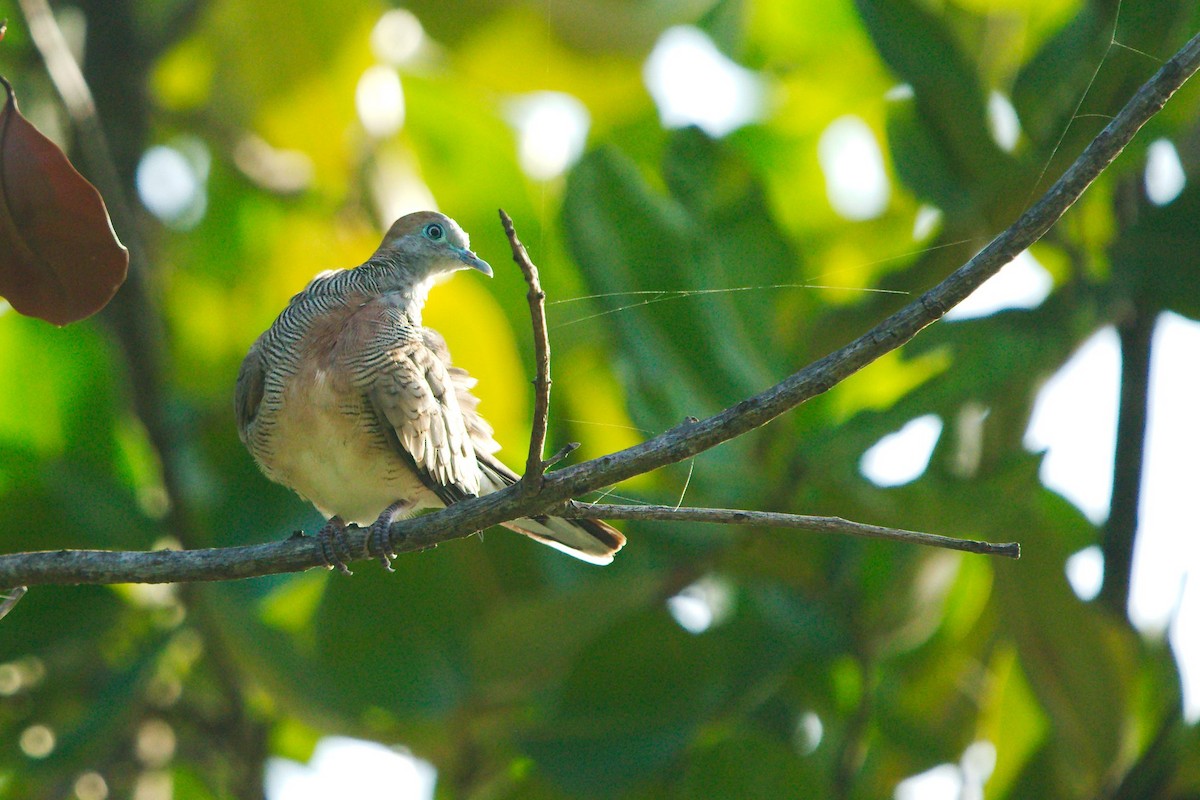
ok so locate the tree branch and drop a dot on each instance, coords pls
(772, 519)
(1121, 528)
(297, 553)
(677, 444)
(535, 467)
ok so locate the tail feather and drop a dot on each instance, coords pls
(587, 539)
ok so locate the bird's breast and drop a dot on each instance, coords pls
(330, 450)
(322, 439)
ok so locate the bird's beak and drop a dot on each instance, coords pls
(475, 262)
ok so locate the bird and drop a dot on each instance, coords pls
(351, 402)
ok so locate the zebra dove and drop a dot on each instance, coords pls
(349, 401)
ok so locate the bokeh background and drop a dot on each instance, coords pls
(716, 193)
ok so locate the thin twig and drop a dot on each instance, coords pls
(563, 452)
(9, 600)
(535, 467)
(771, 519)
(464, 518)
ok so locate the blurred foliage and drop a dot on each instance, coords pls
(832, 668)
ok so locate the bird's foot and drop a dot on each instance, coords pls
(379, 539)
(332, 539)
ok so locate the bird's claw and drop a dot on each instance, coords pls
(333, 543)
(379, 539)
(380, 543)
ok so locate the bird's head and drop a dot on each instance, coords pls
(429, 244)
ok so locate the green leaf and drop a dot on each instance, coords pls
(1050, 87)
(1010, 718)
(528, 645)
(751, 257)
(921, 163)
(949, 100)
(630, 705)
(1160, 253)
(661, 270)
(1077, 660)
(410, 663)
(749, 766)
(1082, 75)
(634, 243)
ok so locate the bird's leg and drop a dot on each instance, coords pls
(378, 539)
(332, 538)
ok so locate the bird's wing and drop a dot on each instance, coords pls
(587, 539)
(481, 433)
(410, 389)
(249, 392)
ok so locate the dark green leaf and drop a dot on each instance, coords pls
(949, 100)
(630, 705)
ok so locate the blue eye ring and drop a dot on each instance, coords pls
(435, 232)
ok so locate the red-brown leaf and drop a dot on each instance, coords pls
(59, 257)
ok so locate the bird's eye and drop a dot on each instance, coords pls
(435, 231)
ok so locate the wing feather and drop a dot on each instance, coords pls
(249, 392)
(412, 393)
(482, 436)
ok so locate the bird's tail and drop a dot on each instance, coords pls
(588, 539)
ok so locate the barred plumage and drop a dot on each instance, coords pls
(349, 401)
